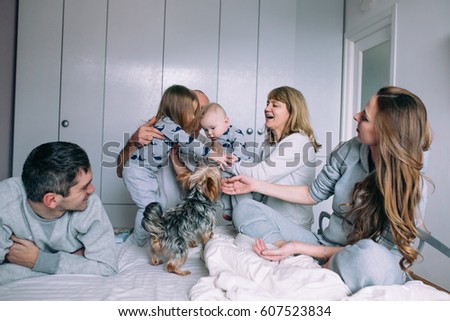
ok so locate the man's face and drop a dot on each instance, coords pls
(78, 194)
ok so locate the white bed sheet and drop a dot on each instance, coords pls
(235, 273)
(137, 280)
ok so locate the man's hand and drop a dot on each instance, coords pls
(143, 136)
(22, 252)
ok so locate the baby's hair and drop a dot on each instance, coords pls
(212, 107)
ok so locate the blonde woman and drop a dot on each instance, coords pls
(377, 182)
(287, 156)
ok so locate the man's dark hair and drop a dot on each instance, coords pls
(53, 168)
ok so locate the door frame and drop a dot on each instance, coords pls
(372, 32)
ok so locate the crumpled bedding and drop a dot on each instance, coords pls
(237, 273)
(137, 280)
(232, 272)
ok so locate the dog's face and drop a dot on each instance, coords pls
(206, 178)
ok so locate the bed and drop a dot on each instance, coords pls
(226, 270)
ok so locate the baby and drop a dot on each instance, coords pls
(216, 124)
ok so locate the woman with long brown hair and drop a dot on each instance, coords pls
(379, 191)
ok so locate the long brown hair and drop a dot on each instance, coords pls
(180, 104)
(389, 196)
(298, 121)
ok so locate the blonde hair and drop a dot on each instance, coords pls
(389, 197)
(298, 121)
(180, 104)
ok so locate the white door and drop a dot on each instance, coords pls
(374, 40)
(133, 88)
(38, 71)
(59, 85)
(276, 53)
(82, 79)
(238, 63)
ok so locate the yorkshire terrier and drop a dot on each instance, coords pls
(186, 225)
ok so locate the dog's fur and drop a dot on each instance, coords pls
(189, 223)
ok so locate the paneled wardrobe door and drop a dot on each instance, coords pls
(82, 78)
(276, 54)
(191, 47)
(133, 89)
(38, 71)
(238, 63)
(318, 74)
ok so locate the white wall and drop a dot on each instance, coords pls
(423, 67)
(8, 11)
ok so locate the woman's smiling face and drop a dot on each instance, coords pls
(277, 116)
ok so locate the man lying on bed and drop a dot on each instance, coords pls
(50, 220)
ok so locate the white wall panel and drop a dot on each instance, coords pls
(121, 215)
(276, 54)
(191, 45)
(423, 66)
(37, 77)
(238, 62)
(82, 78)
(133, 82)
(318, 67)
